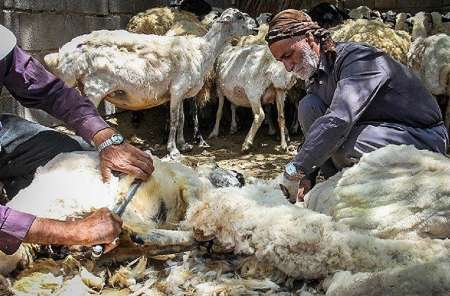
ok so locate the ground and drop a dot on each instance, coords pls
(266, 160)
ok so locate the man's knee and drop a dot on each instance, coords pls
(310, 108)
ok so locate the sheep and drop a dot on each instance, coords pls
(160, 202)
(376, 34)
(421, 25)
(249, 76)
(364, 12)
(287, 239)
(135, 71)
(176, 22)
(429, 58)
(438, 25)
(161, 20)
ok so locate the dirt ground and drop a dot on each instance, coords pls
(266, 160)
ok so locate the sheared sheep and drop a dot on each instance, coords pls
(249, 76)
(288, 239)
(376, 34)
(176, 22)
(70, 185)
(135, 71)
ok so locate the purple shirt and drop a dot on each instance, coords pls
(34, 87)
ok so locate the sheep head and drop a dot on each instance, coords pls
(237, 22)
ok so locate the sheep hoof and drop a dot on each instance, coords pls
(246, 148)
(175, 154)
(186, 147)
(203, 144)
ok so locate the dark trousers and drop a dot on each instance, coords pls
(369, 136)
(25, 146)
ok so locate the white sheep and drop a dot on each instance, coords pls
(70, 185)
(375, 33)
(135, 71)
(249, 76)
(429, 58)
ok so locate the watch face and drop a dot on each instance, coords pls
(117, 139)
(291, 169)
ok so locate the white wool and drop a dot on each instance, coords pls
(376, 34)
(396, 191)
(161, 20)
(257, 220)
(249, 76)
(137, 71)
(415, 280)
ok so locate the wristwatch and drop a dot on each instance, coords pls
(292, 172)
(115, 139)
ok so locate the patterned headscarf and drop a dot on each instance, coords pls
(291, 22)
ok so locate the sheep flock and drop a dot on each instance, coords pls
(380, 227)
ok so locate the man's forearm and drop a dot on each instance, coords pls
(48, 232)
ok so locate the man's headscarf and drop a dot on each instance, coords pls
(291, 22)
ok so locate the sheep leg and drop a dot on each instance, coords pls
(181, 142)
(233, 127)
(174, 118)
(154, 243)
(198, 138)
(215, 131)
(281, 95)
(258, 119)
(269, 112)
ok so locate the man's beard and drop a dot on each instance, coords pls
(308, 65)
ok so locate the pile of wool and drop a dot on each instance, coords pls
(258, 221)
(161, 20)
(395, 192)
(376, 34)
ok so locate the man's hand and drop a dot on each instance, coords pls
(123, 158)
(304, 187)
(101, 227)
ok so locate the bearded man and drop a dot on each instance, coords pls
(359, 99)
